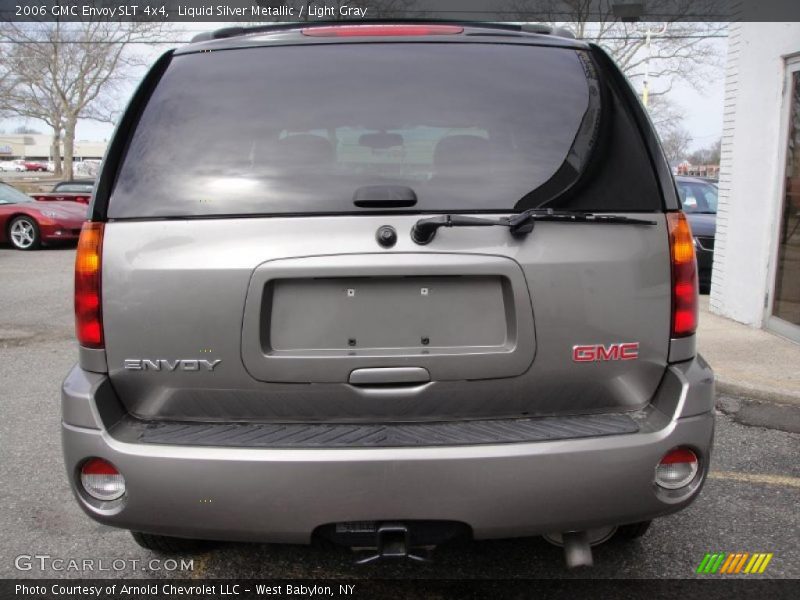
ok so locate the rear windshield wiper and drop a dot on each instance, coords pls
(519, 225)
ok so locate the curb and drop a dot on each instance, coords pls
(752, 392)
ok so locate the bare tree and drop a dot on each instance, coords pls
(26, 86)
(676, 143)
(60, 73)
(678, 49)
(668, 120)
(665, 114)
(709, 155)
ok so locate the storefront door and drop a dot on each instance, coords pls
(784, 306)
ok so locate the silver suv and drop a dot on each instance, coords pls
(385, 284)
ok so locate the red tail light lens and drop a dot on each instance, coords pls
(381, 30)
(684, 276)
(88, 315)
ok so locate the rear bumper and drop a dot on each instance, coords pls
(499, 490)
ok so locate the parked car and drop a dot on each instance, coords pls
(86, 168)
(77, 190)
(11, 166)
(27, 224)
(285, 335)
(699, 200)
(31, 165)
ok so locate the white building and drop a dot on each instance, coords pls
(756, 277)
(37, 147)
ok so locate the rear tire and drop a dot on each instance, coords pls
(170, 545)
(633, 530)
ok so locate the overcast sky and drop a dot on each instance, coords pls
(702, 109)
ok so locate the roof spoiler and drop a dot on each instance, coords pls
(229, 32)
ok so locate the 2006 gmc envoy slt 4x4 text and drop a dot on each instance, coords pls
(396, 283)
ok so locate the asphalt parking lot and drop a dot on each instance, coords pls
(748, 505)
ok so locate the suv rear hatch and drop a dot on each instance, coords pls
(242, 276)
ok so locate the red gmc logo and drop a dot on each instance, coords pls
(597, 352)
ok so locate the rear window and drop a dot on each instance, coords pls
(468, 127)
(698, 197)
(10, 195)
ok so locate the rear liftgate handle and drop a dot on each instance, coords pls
(389, 376)
(390, 381)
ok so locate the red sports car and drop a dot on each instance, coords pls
(77, 190)
(28, 224)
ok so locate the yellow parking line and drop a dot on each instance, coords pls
(780, 480)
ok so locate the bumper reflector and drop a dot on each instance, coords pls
(101, 480)
(677, 469)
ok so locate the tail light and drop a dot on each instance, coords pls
(684, 276)
(381, 30)
(677, 469)
(88, 314)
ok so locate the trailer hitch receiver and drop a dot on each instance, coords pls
(393, 540)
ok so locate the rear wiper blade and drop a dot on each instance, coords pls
(519, 225)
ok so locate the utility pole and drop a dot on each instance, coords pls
(646, 82)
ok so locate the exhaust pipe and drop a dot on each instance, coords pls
(577, 551)
(578, 544)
